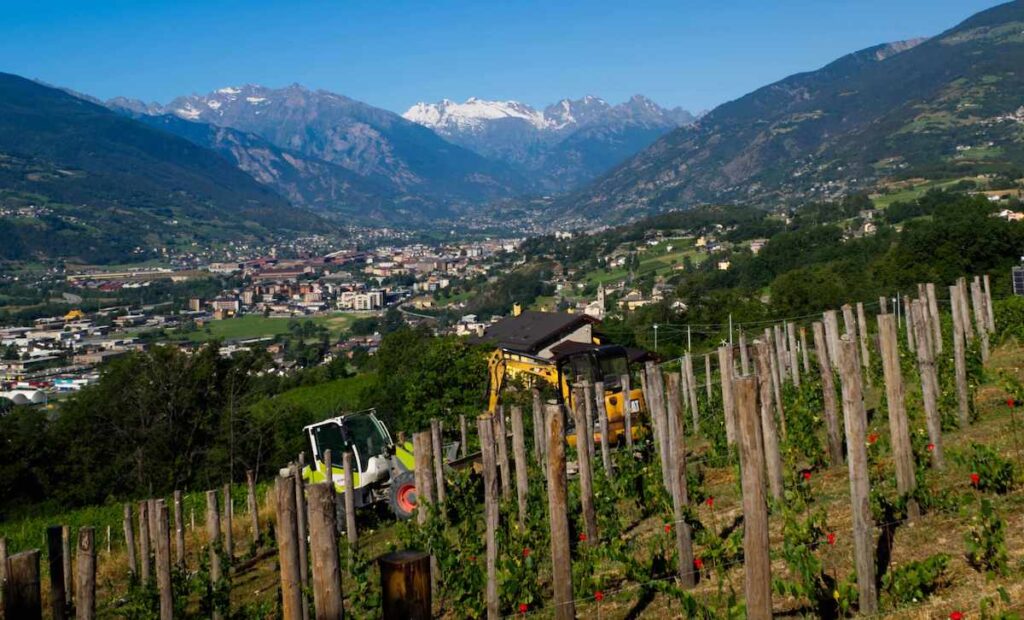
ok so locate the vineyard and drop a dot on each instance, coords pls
(866, 462)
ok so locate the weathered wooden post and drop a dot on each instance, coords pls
(254, 509)
(828, 390)
(55, 549)
(323, 528)
(129, 540)
(179, 531)
(989, 311)
(561, 560)
(769, 434)
(144, 539)
(744, 359)
(929, 383)
(522, 472)
(229, 537)
(831, 323)
(485, 428)
(85, 570)
(979, 319)
(627, 411)
(883, 304)
(965, 311)
(909, 317)
(585, 470)
(774, 377)
(862, 336)
(22, 590)
(803, 351)
(301, 528)
(656, 406)
(588, 418)
(959, 359)
(163, 562)
(899, 430)
(69, 578)
(602, 416)
(213, 538)
(779, 350)
(288, 549)
(691, 388)
(794, 362)
(934, 318)
(504, 465)
(680, 493)
(856, 431)
(423, 455)
(463, 436)
(538, 427)
(405, 585)
(3, 573)
(437, 446)
(725, 368)
(756, 560)
(351, 529)
(707, 375)
(151, 512)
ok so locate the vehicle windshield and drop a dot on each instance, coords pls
(611, 370)
(328, 437)
(364, 434)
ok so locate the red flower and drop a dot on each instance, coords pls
(583, 537)
(472, 558)
(668, 527)
(522, 608)
(831, 538)
(698, 563)
(710, 501)
(807, 476)
(526, 552)
(955, 615)
(931, 447)
(872, 438)
(599, 596)
(1009, 402)
(975, 479)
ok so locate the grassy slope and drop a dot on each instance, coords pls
(253, 326)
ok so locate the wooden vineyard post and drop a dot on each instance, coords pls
(151, 513)
(899, 429)
(463, 436)
(744, 360)
(179, 531)
(831, 322)
(585, 470)
(422, 453)
(588, 419)
(163, 562)
(774, 377)
(324, 543)
(129, 540)
(959, 360)
(656, 407)
(933, 317)
(85, 571)
(828, 389)
(672, 411)
(882, 304)
(627, 411)
(769, 434)
(69, 576)
(538, 427)
(485, 428)
(929, 382)
(989, 311)
(144, 539)
(725, 368)
(756, 563)
(680, 494)
(910, 322)
(691, 388)
(707, 375)
(23, 591)
(803, 351)
(213, 538)
(288, 549)
(229, 538)
(856, 436)
(351, 529)
(3, 573)
(55, 550)
(965, 311)
(254, 509)
(779, 342)
(504, 466)
(977, 305)
(602, 417)
(862, 336)
(405, 586)
(519, 452)
(561, 560)
(300, 527)
(794, 366)
(437, 445)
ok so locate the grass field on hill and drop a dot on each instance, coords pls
(255, 326)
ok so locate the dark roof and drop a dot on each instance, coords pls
(531, 331)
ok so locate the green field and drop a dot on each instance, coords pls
(328, 398)
(884, 200)
(252, 326)
(657, 259)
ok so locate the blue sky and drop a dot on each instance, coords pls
(393, 53)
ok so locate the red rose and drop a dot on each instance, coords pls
(975, 479)
(668, 527)
(523, 608)
(956, 615)
(710, 501)
(872, 438)
(583, 537)
(698, 563)
(1009, 403)
(931, 447)
(807, 476)
(831, 537)
(526, 552)
(599, 596)
(472, 558)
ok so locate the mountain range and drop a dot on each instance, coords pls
(946, 107)
(560, 147)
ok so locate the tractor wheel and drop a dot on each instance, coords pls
(402, 495)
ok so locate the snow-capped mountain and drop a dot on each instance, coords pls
(528, 138)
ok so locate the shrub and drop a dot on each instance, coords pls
(915, 581)
(994, 473)
(986, 541)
